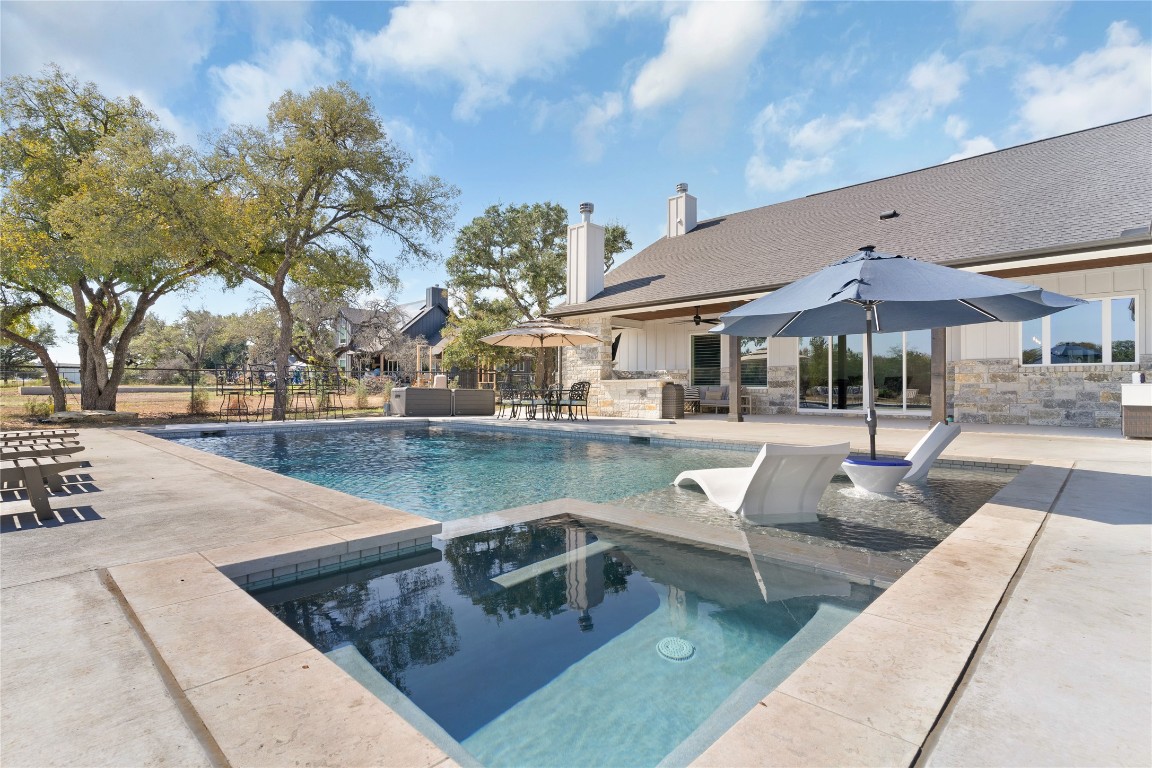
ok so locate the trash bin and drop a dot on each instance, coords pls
(672, 401)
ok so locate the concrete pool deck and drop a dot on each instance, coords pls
(1056, 668)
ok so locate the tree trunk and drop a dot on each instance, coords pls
(51, 372)
(283, 351)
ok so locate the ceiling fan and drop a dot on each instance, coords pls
(697, 320)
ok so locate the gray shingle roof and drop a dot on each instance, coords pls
(1083, 187)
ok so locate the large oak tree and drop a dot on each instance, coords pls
(93, 223)
(305, 194)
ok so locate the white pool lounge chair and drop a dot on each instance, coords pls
(925, 452)
(783, 485)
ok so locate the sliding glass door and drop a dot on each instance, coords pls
(831, 371)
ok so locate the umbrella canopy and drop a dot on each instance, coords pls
(882, 292)
(541, 333)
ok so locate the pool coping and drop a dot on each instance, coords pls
(872, 695)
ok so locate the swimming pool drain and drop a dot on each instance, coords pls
(675, 649)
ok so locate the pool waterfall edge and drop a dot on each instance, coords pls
(277, 688)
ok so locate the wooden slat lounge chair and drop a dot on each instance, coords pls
(783, 485)
(36, 475)
(39, 450)
(38, 435)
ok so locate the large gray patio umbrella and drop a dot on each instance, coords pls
(882, 292)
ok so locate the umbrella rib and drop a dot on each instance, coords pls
(790, 321)
(970, 305)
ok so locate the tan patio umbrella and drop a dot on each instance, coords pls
(540, 333)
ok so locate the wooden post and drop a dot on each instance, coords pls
(734, 413)
(939, 375)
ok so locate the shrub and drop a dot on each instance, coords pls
(198, 403)
(38, 409)
(361, 394)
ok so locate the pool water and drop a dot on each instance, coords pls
(565, 642)
(446, 474)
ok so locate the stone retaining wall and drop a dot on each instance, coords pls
(1001, 391)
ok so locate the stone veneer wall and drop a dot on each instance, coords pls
(589, 362)
(1001, 391)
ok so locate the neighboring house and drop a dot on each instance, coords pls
(418, 319)
(1071, 214)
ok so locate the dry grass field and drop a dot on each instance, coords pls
(19, 411)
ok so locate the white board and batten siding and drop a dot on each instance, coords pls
(987, 341)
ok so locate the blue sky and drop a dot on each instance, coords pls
(750, 103)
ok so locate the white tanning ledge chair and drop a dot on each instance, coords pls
(883, 475)
(924, 454)
(783, 485)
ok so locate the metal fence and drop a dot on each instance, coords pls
(234, 393)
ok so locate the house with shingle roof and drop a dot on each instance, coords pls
(365, 331)
(1070, 214)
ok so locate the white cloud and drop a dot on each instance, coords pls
(483, 47)
(422, 148)
(185, 131)
(598, 118)
(707, 46)
(248, 89)
(1102, 86)
(760, 174)
(1005, 19)
(123, 47)
(977, 145)
(956, 127)
(931, 84)
(824, 133)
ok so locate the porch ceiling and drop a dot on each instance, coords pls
(706, 310)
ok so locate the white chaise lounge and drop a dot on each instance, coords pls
(783, 485)
(924, 454)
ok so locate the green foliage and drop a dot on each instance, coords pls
(38, 409)
(508, 266)
(520, 251)
(480, 318)
(616, 241)
(99, 219)
(361, 394)
(198, 403)
(305, 194)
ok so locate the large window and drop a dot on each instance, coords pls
(705, 359)
(1101, 331)
(831, 371)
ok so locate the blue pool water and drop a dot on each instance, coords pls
(446, 474)
(539, 645)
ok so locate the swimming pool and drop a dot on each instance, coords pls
(566, 642)
(449, 473)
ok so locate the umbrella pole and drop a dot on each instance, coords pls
(869, 394)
